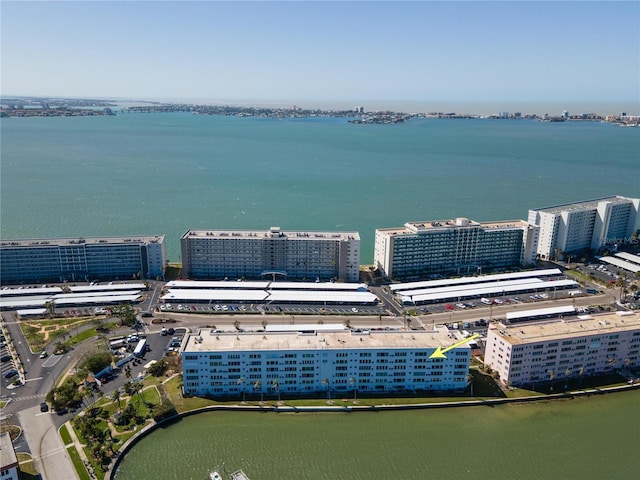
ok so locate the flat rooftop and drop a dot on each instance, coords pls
(412, 228)
(587, 204)
(8, 454)
(583, 325)
(49, 242)
(274, 232)
(264, 341)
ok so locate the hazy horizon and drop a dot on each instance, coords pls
(370, 105)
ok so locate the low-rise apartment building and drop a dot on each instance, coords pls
(82, 259)
(309, 361)
(542, 351)
(460, 245)
(217, 254)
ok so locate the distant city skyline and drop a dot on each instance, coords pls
(467, 57)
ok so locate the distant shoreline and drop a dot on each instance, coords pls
(45, 107)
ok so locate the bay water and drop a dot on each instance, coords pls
(593, 438)
(143, 174)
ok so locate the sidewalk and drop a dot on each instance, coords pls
(79, 448)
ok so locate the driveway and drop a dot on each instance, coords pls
(49, 454)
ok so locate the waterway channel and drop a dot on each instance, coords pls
(586, 438)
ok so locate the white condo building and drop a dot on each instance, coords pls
(82, 259)
(9, 467)
(551, 350)
(211, 254)
(585, 225)
(420, 248)
(321, 358)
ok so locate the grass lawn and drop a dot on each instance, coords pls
(91, 332)
(64, 434)
(151, 380)
(77, 463)
(57, 328)
(484, 387)
(584, 383)
(172, 272)
(126, 436)
(13, 430)
(97, 470)
(27, 469)
(3, 403)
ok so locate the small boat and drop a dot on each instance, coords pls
(237, 475)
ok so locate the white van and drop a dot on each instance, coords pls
(486, 301)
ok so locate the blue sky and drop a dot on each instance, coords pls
(321, 52)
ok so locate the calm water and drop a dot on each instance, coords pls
(167, 173)
(594, 438)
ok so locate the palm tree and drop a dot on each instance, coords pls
(352, 382)
(580, 372)
(276, 386)
(258, 386)
(622, 283)
(139, 390)
(115, 396)
(241, 382)
(326, 383)
(51, 307)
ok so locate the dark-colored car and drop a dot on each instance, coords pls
(44, 407)
(5, 358)
(10, 373)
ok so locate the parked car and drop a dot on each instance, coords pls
(10, 373)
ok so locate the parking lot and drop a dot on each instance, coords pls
(8, 367)
(286, 309)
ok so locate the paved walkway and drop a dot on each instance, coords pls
(79, 448)
(50, 456)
